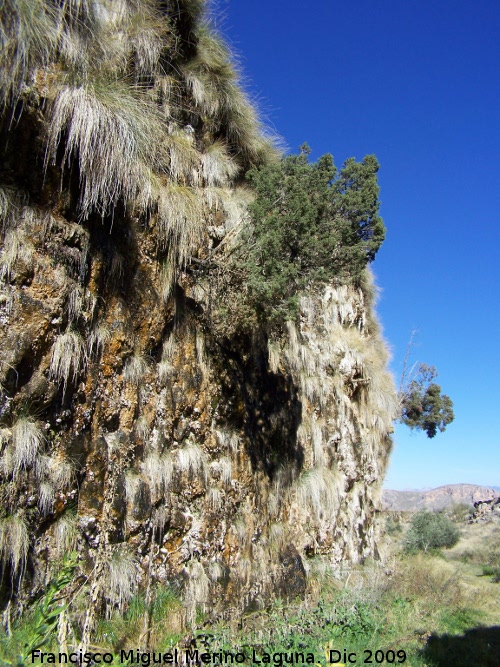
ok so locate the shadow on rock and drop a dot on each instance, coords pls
(479, 646)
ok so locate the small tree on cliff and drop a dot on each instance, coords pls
(311, 224)
(422, 405)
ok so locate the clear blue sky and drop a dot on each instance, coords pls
(415, 82)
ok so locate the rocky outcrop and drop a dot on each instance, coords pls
(132, 432)
(486, 510)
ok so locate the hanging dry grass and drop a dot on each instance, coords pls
(28, 441)
(192, 459)
(183, 158)
(16, 249)
(317, 492)
(97, 340)
(215, 498)
(134, 370)
(107, 128)
(14, 542)
(197, 589)
(158, 470)
(181, 220)
(45, 498)
(217, 166)
(69, 358)
(122, 576)
(66, 531)
(28, 38)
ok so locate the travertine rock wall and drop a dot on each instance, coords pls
(175, 456)
(131, 431)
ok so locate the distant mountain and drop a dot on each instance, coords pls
(437, 499)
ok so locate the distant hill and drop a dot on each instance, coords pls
(436, 499)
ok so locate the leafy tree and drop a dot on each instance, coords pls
(429, 530)
(423, 406)
(311, 224)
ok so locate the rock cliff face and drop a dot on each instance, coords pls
(131, 431)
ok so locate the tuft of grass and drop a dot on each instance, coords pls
(69, 358)
(165, 371)
(28, 37)
(228, 439)
(107, 127)
(45, 498)
(191, 459)
(158, 470)
(61, 472)
(97, 340)
(183, 158)
(142, 429)
(215, 498)
(14, 542)
(16, 248)
(181, 220)
(80, 304)
(122, 576)
(197, 589)
(217, 166)
(28, 440)
(215, 571)
(134, 370)
(66, 531)
(317, 492)
(226, 470)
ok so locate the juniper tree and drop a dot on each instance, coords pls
(311, 224)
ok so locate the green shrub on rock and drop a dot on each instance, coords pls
(311, 224)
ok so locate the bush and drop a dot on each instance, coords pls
(430, 531)
(494, 572)
(311, 224)
(460, 512)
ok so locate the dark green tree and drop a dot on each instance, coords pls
(311, 224)
(423, 406)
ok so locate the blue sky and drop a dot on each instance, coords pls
(415, 82)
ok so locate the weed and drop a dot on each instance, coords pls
(493, 572)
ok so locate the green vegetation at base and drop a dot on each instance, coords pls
(435, 609)
(39, 627)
